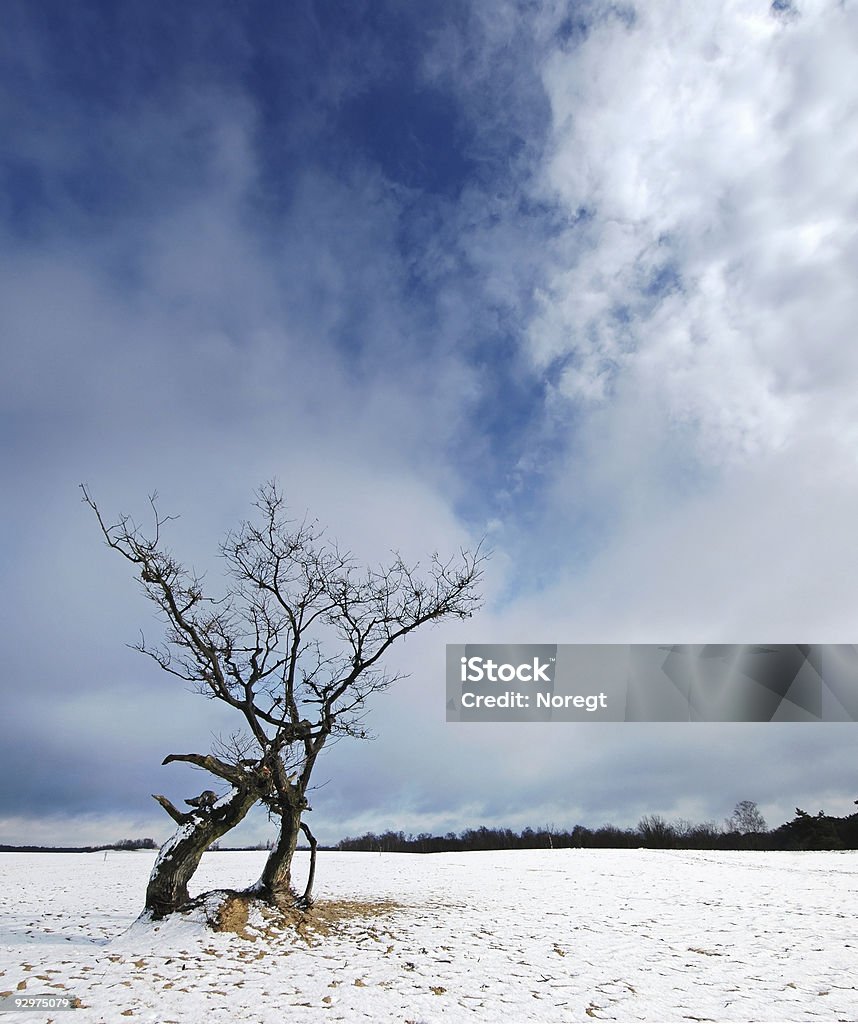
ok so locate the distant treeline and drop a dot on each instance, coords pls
(123, 844)
(805, 832)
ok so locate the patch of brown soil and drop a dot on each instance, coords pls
(231, 916)
(324, 916)
(231, 913)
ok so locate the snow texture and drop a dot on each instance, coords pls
(554, 935)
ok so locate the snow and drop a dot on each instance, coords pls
(553, 935)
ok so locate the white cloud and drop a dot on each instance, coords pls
(709, 144)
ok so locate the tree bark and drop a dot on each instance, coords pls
(180, 856)
(178, 816)
(275, 884)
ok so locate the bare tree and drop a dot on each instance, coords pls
(295, 647)
(656, 831)
(746, 818)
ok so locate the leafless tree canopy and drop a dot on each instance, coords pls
(746, 818)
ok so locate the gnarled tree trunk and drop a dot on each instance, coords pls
(180, 856)
(275, 884)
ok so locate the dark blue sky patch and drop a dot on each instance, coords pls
(505, 420)
(334, 80)
(110, 55)
(663, 281)
(572, 30)
(94, 93)
(23, 196)
(416, 135)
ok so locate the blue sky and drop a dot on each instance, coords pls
(577, 277)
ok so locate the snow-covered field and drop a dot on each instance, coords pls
(554, 935)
